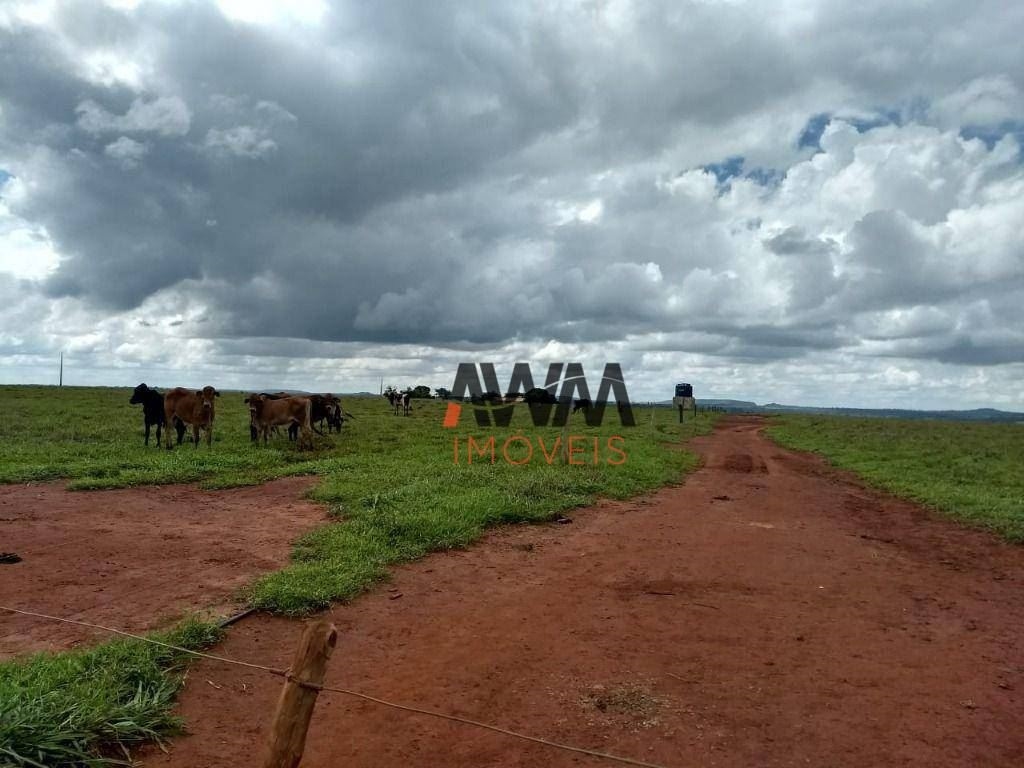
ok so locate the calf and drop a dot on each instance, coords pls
(153, 411)
(265, 413)
(253, 431)
(194, 407)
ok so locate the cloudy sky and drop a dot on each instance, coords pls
(805, 202)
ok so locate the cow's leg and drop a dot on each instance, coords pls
(168, 419)
(209, 435)
(179, 427)
(195, 435)
(147, 436)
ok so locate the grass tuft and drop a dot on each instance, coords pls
(89, 707)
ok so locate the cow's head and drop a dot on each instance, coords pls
(139, 395)
(206, 395)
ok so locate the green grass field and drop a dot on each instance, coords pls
(390, 483)
(972, 472)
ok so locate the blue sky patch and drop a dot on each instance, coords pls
(992, 134)
(733, 167)
(811, 134)
(725, 170)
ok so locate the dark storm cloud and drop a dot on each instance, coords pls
(452, 173)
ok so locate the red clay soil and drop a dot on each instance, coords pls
(769, 612)
(138, 558)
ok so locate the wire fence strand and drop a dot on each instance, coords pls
(346, 691)
(150, 640)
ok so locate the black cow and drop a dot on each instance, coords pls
(325, 409)
(153, 411)
(581, 405)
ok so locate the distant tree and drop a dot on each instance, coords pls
(538, 396)
(420, 391)
(442, 393)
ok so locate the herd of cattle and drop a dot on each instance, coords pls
(183, 408)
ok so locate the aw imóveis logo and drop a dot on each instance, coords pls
(565, 391)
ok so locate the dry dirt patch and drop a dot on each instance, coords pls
(137, 558)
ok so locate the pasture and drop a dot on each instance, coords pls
(972, 472)
(392, 479)
(390, 484)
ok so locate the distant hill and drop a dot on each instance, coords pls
(977, 414)
(748, 406)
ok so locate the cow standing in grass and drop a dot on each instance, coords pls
(153, 412)
(266, 413)
(403, 402)
(254, 432)
(335, 413)
(399, 400)
(323, 409)
(192, 407)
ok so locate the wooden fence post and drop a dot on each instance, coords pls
(287, 738)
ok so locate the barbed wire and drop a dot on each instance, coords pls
(344, 691)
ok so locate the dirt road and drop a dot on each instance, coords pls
(137, 558)
(766, 613)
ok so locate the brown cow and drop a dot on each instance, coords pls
(265, 412)
(253, 431)
(195, 407)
